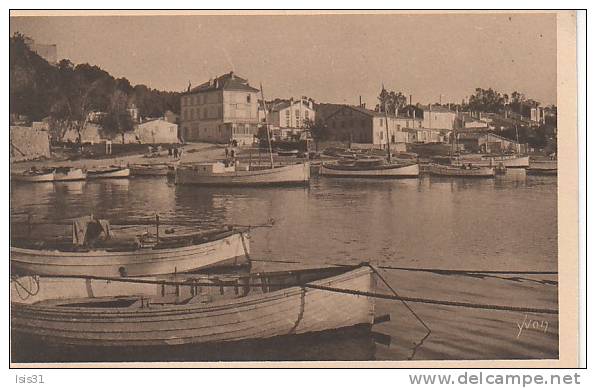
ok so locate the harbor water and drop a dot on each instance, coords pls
(507, 223)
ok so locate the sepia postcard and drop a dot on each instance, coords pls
(360, 189)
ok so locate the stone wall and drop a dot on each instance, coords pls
(27, 143)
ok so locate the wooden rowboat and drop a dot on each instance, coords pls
(221, 248)
(451, 171)
(261, 306)
(34, 176)
(217, 174)
(509, 161)
(548, 167)
(156, 169)
(109, 172)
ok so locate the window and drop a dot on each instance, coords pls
(248, 98)
(204, 113)
(192, 114)
(297, 113)
(381, 122)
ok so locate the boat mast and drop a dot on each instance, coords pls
(387, 129)
(267, 126)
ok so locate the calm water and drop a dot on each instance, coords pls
(506, 223)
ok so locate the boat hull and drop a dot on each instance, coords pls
(408, 171)
(449, 171)
(148, 170)
(49, 177)
(120, 173)
(230, 250)
(288, 311)
(507, 161)
(294, 174)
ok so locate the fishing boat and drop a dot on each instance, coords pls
(98, 251)
(34, 175)
(546, 167)
(66, 174)
(218, 174)
(108, 172)
(370, 168)
(203, 311)
(461, 171)
(149, 169)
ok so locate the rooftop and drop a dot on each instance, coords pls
(228, 81)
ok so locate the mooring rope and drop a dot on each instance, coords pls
(30, 292)
(428, 330)
(522, 309)
(432, 270)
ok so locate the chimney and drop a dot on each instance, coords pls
(410, 99)
(360, 101)
(232, 76)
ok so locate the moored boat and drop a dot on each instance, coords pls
(34, 175)
(287, 152)
(546, 167)
(149, 169)
(108, 172)
(218, 174)
(257, 306)
(370, 168)
(462, 171)
(508, 161)
(66, 174)
(140, 256)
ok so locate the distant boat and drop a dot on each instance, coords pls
(108, 172)
(370, 168)
(462, 171)
(547, 167)
(217, 174)
(203, 310)
(65, 174)
(487, 160)
(34, 175)
(288, 152)
(149, 169)
(171, 254)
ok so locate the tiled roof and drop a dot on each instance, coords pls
(374, 113)
(228, 81)
(437, 108)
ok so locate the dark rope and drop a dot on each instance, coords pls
(439, 302)
(428, 330)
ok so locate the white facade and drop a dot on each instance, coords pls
(438, 118)
(157, 131)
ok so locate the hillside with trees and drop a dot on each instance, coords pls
(66, 93)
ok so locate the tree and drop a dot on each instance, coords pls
(391, 100)
(117, 118)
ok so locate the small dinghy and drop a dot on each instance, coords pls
(34, 175)
(463, 171)
(97, 250)
(108, 172)
(149, 169)
(67, 174)
(548, 167)
(181, 310)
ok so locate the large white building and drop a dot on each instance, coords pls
(220, 110)
(156, 132)
(288, 116)
(438, 117)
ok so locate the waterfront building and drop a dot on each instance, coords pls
(360, 125)
(438, 117)
(487, 142)
(157, 131)
(220, 110)
(288, 117)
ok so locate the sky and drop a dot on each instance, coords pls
(331, 58)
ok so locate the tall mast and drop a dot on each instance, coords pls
(387, 128)
(267, 127)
